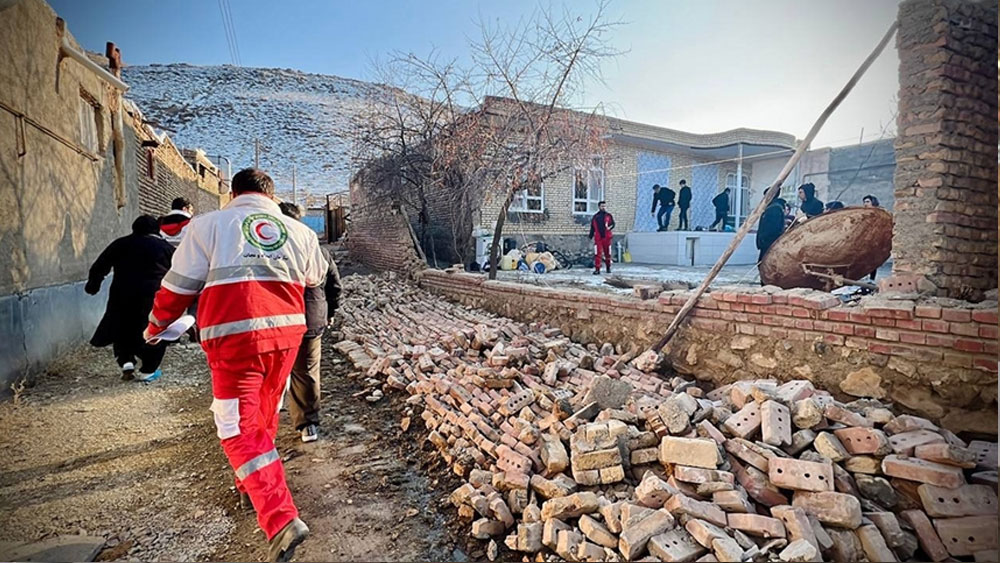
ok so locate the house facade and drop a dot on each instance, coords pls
(636, 157)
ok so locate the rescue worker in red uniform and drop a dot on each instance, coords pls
(248, 265)
(601, 225)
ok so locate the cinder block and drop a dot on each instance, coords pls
(789, 473)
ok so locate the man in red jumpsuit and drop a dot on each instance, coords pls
(601, 225)
(248, 265)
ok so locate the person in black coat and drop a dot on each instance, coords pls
(809, 204)
(321, 303)
(771, 226)
(665, 197)
(683, 204)
(721, 203)
(139, 260)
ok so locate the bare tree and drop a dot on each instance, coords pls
(489, 132)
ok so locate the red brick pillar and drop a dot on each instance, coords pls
(946, 150)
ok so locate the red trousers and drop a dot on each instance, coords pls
(246, 393)
(602, 246)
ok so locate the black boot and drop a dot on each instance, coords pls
(282, 546)
(608, 266)
(597, 271)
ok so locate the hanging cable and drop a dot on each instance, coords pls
(225, 29)
(232, 31)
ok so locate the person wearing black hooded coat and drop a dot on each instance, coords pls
(809, 204)
(771, 226)
(139, 260)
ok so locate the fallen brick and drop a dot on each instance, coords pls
(967, 500)
(484, 529)
(597, 532)
(800, 475)
(634, 538)
(923, 471)
(653, 492)
(836, 509)
(744, 423)
(947, 454)
(757, 525)
(570, 506)
(968, 535)
(905, 442)
(873, 544)
(928, 537)
(796, 522)
(701, 475)
(683, 505)
(776, 424)
(732, 501)
(846, 546)
(726, 549)
(568, 543)
(799, 551)
(550, 530)
(829, 446)
(695, 452)
(675, 546)
(860, 441)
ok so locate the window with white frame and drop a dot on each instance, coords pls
(529, 200)
(744, 195)
(588, 187)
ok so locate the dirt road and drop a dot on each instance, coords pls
(139, 465)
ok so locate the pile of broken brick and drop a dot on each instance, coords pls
(591, 455)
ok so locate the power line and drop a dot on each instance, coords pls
(232, 30)
(225, 29)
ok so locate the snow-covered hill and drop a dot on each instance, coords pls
(300, 119)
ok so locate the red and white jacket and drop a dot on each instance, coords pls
(250, 265)
(172, 226)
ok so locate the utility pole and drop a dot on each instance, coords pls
(256, 153)
(295, 193)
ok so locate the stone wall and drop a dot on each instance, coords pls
(946, 167)
(937, 357)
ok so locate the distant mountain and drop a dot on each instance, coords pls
(300, 118)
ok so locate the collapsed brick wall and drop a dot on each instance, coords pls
(946, 168)
(937, 358)
(377, 232)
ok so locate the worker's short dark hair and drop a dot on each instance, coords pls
(180, 203)
(656, 186)
(145, 225)
(683, 182)
(252, 180)
(290, 209)
(600, 203)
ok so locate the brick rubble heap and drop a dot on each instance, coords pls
(591, 455)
